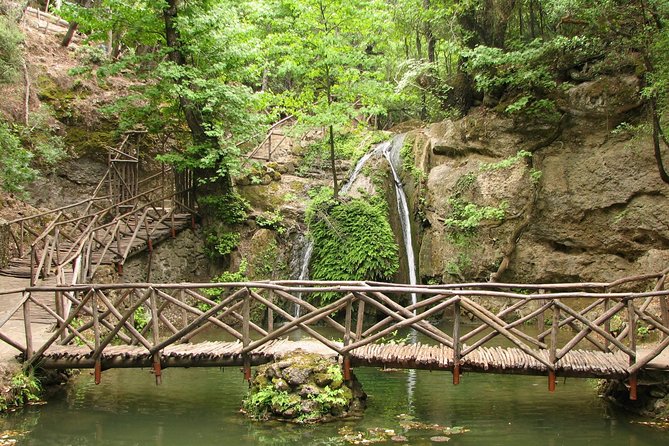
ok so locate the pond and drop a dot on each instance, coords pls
(201, 407)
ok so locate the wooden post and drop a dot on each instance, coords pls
(155, 325)
(59, 311)
(631, 321)
(184, 313)
(456, 343)
(555, 330)
(96, 331)
(347, 340)
(270, 314)
(633, 386)
(27, 321)
(33, 253)
(246, 339)
(21, 238)
(607, 324)
(541, 317)
(360, 320)
(664, 311)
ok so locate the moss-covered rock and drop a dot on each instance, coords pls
(303, 388)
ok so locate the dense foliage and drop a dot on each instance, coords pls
(209, 75)
(222, 68)
(352, 240)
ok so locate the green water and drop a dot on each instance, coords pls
(201, 407)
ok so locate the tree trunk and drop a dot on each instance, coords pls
(333, 165)
(335, 186)
(73, 28)
(26, 94)
(657, 147)
(190, 110)
(429, 36)
(69, 34)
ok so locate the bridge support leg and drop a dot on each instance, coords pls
(347, 368)
(247, 369)
(157, 371)
(551, 381)
(98, 372)
(456, 374)
(633, 387)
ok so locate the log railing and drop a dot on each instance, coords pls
(89, 232)
(581, 316)
(101, 237)
(28, 231)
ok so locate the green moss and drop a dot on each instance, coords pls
(91, 142)
(268, 264)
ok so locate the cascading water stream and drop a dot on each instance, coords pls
(309, 246)
(391, 151)
(304, 271)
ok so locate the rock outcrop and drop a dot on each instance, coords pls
(583, 203)
(303, 388)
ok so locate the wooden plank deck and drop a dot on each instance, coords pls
(577, 363)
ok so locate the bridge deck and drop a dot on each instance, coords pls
(577, 363)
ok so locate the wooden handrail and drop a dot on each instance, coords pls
(111, 319)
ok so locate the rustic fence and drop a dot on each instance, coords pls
(576, 327)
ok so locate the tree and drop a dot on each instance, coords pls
(337, 61)
(191, 58)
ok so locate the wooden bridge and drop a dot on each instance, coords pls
(123, 216)
(578, 330)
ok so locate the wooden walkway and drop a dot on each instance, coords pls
(509, 360)
(125, 243)
(592, 328)
(102, 229)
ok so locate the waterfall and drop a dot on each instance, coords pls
(304, 270)
(391, 151)
(309, 245)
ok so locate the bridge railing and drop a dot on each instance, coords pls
(91, 230)
(29, 230)
(154, 317)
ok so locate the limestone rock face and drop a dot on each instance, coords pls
(587, 206)
(605, 96)
(303, 388)
(181, 259)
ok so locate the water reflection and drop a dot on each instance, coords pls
(201, 406)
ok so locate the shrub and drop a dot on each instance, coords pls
(230, 208)
(10, 50)
(15, 170)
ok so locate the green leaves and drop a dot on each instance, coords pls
(10, 50)
(15, 170)
(352, 240)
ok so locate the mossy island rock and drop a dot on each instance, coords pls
(303, 388)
